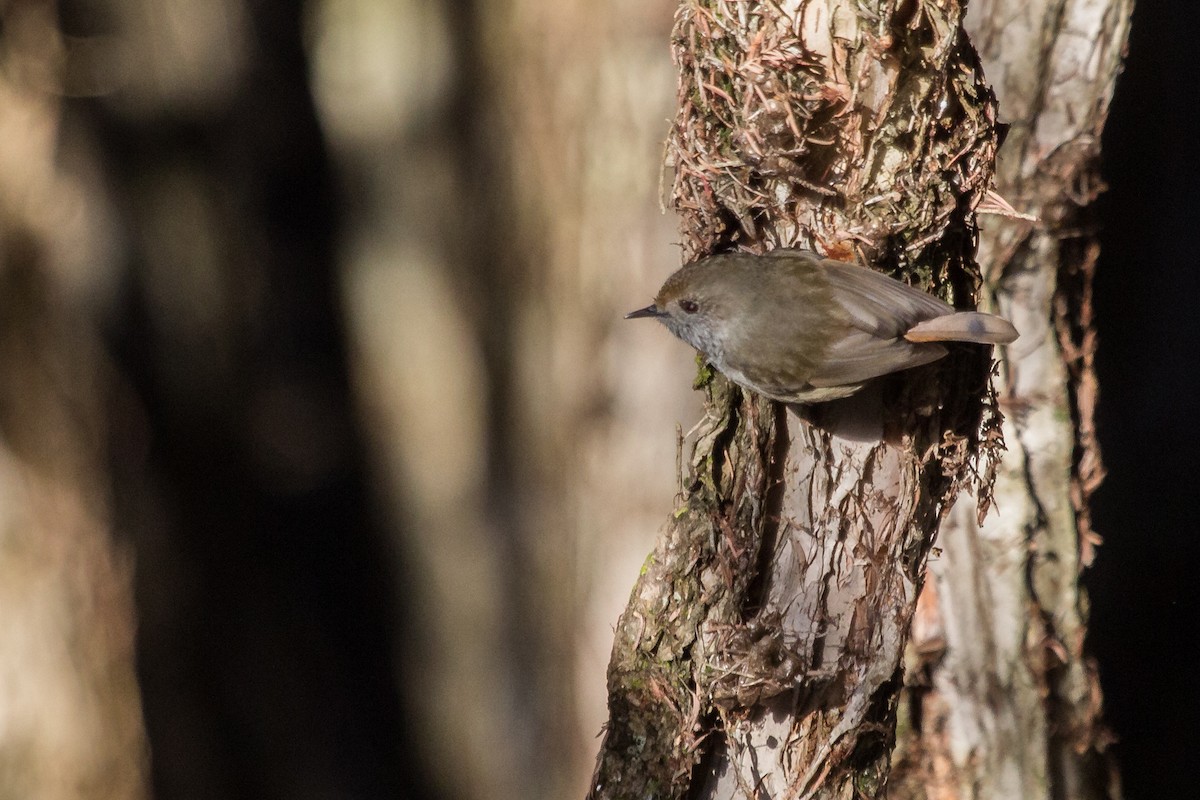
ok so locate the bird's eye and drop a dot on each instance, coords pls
(689, 306)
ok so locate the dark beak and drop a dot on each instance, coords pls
(649, 311)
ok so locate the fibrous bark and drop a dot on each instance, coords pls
(761, 649)
(1007, 703)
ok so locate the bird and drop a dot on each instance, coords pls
(800, 328)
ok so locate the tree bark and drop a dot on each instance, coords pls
(764, 639)
(1004, 701)
(761, 652)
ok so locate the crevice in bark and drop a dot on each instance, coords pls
(772, 511)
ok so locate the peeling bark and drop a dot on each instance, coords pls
(1008, 703)
(761, 650)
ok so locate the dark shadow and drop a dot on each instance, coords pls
(266, 585)
(1144, 592)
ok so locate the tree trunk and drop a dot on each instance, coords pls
(519, 142)
(174, 393)
(1003, 700)
(70, 712)
(761, 651)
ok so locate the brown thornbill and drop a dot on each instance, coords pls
(803, 329)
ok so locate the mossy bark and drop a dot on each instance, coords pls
(762, 647)
(868, 131)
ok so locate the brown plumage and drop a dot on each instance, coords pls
(801, 329)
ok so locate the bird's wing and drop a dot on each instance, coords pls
(878, 304)
(878, 312)
(859, 356)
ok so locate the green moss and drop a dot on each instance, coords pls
(867, 783)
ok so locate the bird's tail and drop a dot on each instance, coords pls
(964, 326)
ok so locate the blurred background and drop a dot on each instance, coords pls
(326, 459)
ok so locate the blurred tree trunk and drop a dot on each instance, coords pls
(762, 649)
(503, 162)
(178, 363)
(70, 713)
